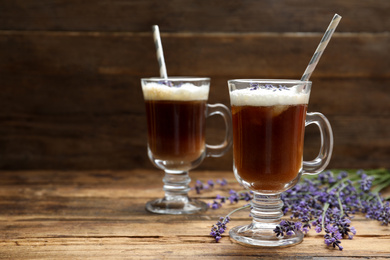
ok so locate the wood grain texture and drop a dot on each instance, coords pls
(233, 55)
(194, 16)
(70, 73)
(84, 110)
(101, 214)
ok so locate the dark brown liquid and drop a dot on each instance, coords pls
(268, 144)
(176, 129)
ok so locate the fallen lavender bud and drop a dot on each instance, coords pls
(333, 236)
(219, 228)
(287, 228)
(199, 185)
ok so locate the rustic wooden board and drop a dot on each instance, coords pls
(84, 143)
(194, 16)
(123, 248)
(70, 72)
(121, 96)
(100, 214)
(68, 105)
(270, 55)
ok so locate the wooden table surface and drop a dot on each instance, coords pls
(101, 215)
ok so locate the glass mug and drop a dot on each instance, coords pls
(176, 111)
(269, 119)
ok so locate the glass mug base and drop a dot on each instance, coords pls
(163, 206)
(266, 238)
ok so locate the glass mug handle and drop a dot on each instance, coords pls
(220, 149)
(322, 160)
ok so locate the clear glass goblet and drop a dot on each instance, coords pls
(269, 119)
(176, 111)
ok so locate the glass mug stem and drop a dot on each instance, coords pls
(176, 186)
(266, 213)
(266, 209)
(176, 200)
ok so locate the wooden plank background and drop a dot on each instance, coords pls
(70, 95)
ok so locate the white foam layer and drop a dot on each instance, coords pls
(187, 91)
(266, 97)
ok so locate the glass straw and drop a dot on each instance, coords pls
(159, 51)
(321, 47)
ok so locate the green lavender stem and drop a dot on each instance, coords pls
(326, 206)
(238, 209)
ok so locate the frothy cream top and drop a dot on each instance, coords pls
(267, 97)
(186, 92)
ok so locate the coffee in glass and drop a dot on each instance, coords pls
(176, 111)
(269, 119)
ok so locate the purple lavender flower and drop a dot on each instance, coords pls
(287, 228)
(222, 182)
(353, 231)
(168, 83)
(199, 185)
(289, 233)
(298, 225)
(325, 202)
(221, 198)
(344, 227)
(384, 214)
(214, 205)
(333, 236)
(279, 231)
(247, 196)
(281, 87)
(326, 177)
(219, 228)
(318, 229)
(254, 86)
(306, 228)
(342, 175)
(380, 212)
(365, 182)
(233, 196)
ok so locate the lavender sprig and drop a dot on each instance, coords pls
(326, 202)
(332, 200)
(234, 197)
(333, 237)
(199, 185)
(287, 228)
(219, 228)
